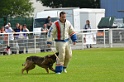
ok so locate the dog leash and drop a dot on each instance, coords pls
(55, 54)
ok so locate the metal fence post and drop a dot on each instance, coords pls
(8, 41)
(104, 39)
(110, 38)
(82, 41)
(35, 43)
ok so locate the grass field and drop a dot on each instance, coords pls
(91, 65)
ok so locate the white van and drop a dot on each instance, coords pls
(40, 19)
(72, 14)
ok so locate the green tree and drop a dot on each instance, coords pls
(71, 3)
(14, 8)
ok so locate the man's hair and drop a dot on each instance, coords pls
(24, 25)
(48, 17)
(61, 13)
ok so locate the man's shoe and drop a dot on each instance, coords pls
(58, 73)
(64, 70)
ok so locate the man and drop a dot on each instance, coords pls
(8, 29)
(16, 35)
(17, 30)
(43, 37)
(48, 22)
(61, 31)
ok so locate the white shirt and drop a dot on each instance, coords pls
(25, 34)
(10, 30)
(21, 36)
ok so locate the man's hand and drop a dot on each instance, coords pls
(74, 43)
(48, 45)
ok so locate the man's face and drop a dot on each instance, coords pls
(63, 18)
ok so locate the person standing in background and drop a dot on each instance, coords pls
(48, 22)
(43, 39)
(16, 35)
(3, 39)
(20, 40)
(25, 29)
(17, 29)
(87, 28)
(8, 29)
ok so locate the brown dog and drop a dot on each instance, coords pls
(45, 62)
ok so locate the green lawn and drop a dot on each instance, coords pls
(91, 65)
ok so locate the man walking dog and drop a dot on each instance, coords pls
(61, 31)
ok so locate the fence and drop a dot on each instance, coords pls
(104, 38)
(37, 43)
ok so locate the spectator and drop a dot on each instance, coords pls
(25, 29)
(16, 35)
(8, 29)
(3, 30)
(21, 40)
(44, 29)
(17, 29)
(87, 28)
(3, 37)
(43, 39)
(48, 22)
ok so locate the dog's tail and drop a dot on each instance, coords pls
(27, 59)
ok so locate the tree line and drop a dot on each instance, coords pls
(14, 8)
(71, 3)
(24, 8)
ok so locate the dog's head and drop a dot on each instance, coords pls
(50, 59)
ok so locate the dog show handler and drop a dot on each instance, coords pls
(60, 31)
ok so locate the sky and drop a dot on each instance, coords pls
(38, 6)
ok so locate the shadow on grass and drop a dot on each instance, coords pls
(29, 74)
